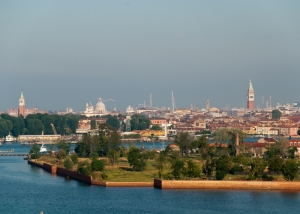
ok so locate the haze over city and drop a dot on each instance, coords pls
(65, 54)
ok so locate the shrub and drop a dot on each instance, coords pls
(97, 165)
(74, 158)
(84, 168)
(61, 154)
(68, 163)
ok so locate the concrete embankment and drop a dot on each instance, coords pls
(236, 185)
(175, 184)
(85, 178)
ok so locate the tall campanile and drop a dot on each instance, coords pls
(250, 97)
(22, 105)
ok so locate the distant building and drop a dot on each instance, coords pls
(22, 110)
(100, 109)
(250, 97)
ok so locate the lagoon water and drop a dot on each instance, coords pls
(28, 189)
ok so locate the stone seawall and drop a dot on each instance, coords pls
(237, 185)
(74, 175)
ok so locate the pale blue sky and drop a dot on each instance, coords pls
(67, 53)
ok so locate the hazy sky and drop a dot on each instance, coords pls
(67, 53)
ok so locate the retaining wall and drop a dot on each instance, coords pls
(74, 175)
(241, 185)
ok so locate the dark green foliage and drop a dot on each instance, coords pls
(222, 167)
(3, 128)
(84, 168)
(276, 114)
(150, 154)
(93, 124)
(236, 168)
(136, 159)
(113, 156)
(275, 164)
(178, 169)
(61, 154)
(82, 149)
(34, 126)
(113, 121)
(35, 151)
(68, 163)
(279, 148)
(267, 178)
(258, 165)
(62, 144)
(156, 127)
(192, 170)
(139, 122)
(291, 152)
(74, 158)
(97, 165)
(290, 169)
(183, 140)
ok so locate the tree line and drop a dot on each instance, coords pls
(35, 124)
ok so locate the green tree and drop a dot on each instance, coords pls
(278, 148)
(161, 162)
(258, 165)
(62, 144)
(276, 114)
(136, 159)
(156, 127)
(275, 164)
(192, 170)
(3, 129)
(97, 165)
(34, 126)
(113, 121)
(61, 154)
(68, 163)
(93, 124)
(178, 169)
(139, 122)
(291, 152)
(74, 158)
(35, 151)
(222, 167)
(183, 140)
(290, 169)
(84, 168)
(113, 156)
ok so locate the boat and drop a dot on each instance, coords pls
(9, 138)
(43, 149)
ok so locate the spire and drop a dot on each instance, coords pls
(250, 86)
(22, 94)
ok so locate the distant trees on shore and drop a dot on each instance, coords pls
(35, 124)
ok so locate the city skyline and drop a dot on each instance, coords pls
(65, 54)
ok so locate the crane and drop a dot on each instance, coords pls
(53, 129)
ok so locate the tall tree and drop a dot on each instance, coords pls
(183, 140)
(276, 114)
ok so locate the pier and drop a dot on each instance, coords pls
(13, 154)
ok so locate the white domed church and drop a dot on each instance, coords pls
(100, 109)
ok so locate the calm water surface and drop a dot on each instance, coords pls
(28, 189)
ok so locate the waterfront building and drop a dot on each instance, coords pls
(250, 97)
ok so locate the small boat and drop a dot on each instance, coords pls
(43, 149)
(9, 138)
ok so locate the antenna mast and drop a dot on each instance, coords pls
(173, 102)
(150, 100)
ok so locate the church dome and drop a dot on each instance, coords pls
(100, 106)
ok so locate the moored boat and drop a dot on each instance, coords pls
(9, 138)
(43, 149)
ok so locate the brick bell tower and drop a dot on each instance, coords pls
(250, 97)
(22, 105)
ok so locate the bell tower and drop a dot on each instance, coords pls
(250, 97)
(22, 105)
